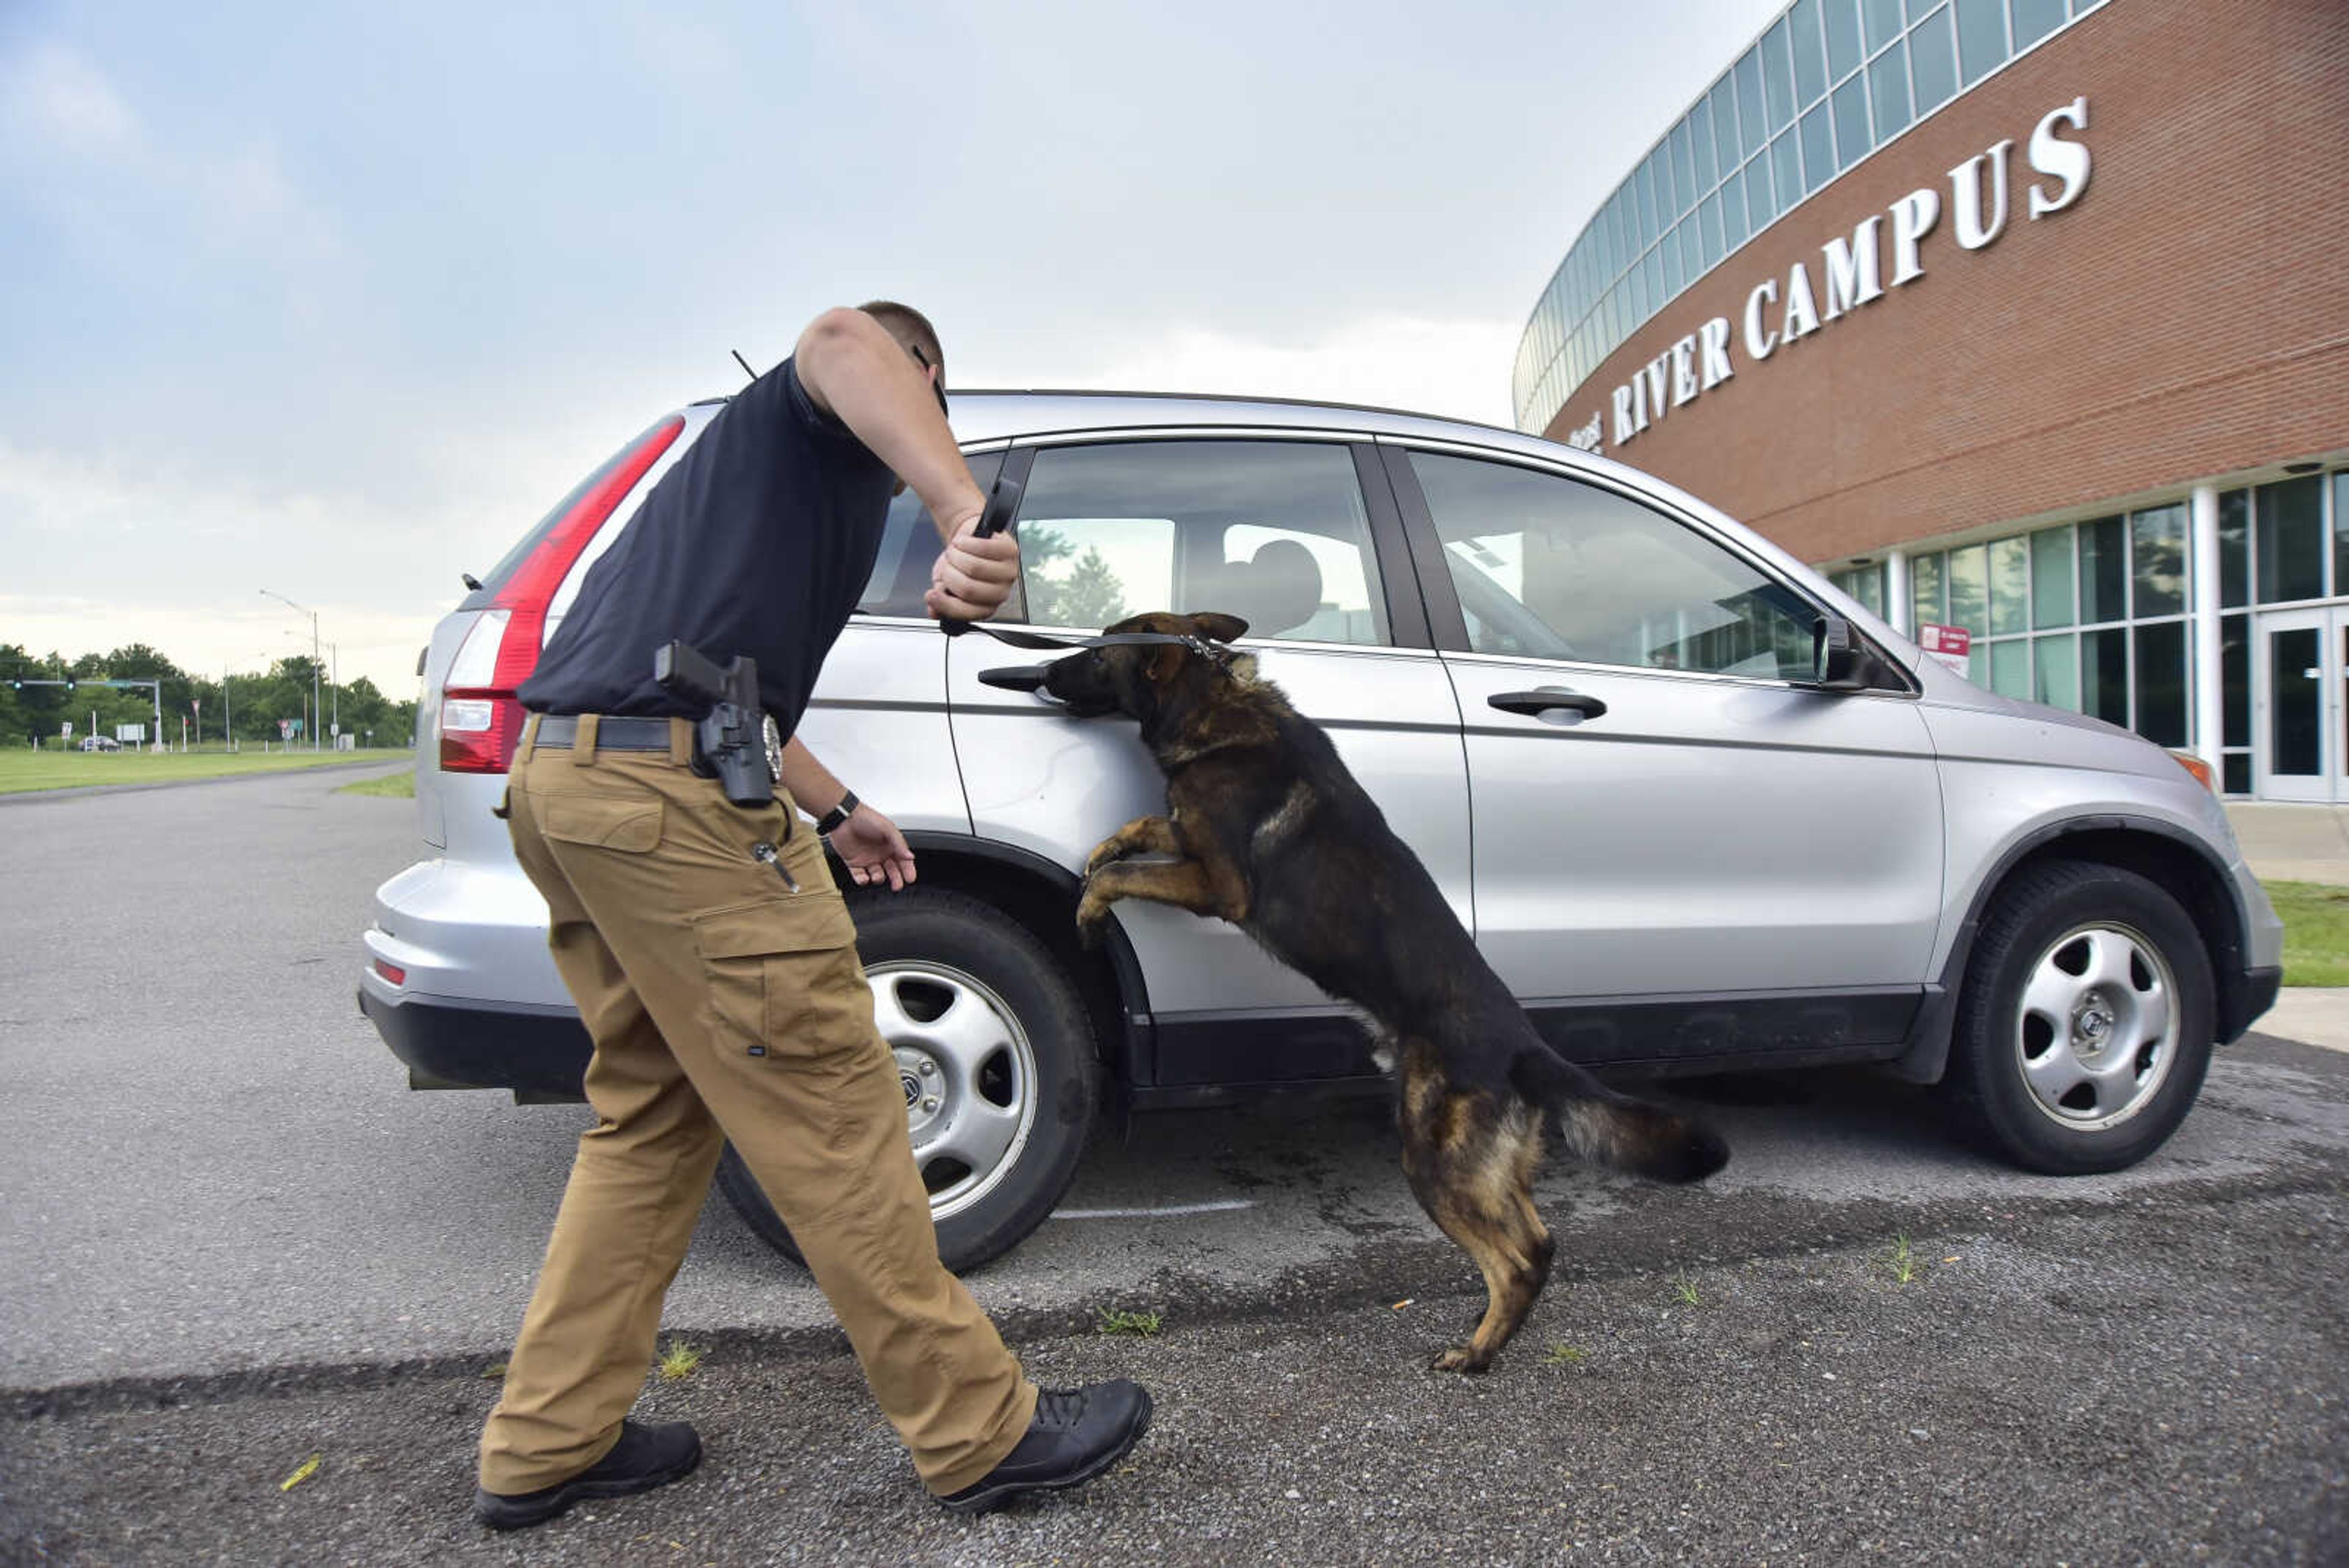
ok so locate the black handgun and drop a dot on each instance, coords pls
(733, 734)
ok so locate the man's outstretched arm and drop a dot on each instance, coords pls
(855, 371)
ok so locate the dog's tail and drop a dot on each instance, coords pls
(1614, 1129)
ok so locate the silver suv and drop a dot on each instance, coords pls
(1703, 812)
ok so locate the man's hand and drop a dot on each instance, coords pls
(873, 849)
(973, 576)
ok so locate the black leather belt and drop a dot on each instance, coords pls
(612, 734)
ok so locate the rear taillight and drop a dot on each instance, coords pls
(391, 971)
(481, 718)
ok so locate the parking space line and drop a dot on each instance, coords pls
(1221, 1205)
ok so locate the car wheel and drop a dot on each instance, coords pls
(2085, 1023)
(995, 1050)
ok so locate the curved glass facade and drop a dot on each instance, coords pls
(1823, 86)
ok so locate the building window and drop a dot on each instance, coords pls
(2235, 702)
(1887, 85)
(1843, 38)
(1787, 170)
(2104, 571)
(2034, 19)
(2339, 531)
(2161, 681)
(2057, 660)
(2050, 583)
(1928, 606)
(2010, 668)
(2291, 541)
(2010, 593)
(1883, 22)
(1981, 37)
(1865, 584)
(2235, 549)
(1851, 123)
(1970, 588)
(1810, 59)
(1933, 61)
(2103, 675)
(2161, 541)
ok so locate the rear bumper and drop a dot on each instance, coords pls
(539, 1054)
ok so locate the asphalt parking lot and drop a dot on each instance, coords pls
(235, 1241)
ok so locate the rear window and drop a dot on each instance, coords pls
(496, 576)
(909, 545)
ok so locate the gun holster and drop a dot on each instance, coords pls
(730, 738)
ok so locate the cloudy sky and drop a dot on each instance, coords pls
(333, 300)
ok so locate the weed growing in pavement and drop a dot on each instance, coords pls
(1114, 1320)
(494, 1372)
(1561, 1354)
(677, 1361)
(1902, 1260)
(1684, 1290)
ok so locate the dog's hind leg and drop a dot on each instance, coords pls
(1471, 1161)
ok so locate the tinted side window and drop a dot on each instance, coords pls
(1553, 568)
(909, 545)
(1273, 531)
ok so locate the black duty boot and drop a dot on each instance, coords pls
(647, 1456)
(1076, 1434)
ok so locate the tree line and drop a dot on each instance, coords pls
(249, 706)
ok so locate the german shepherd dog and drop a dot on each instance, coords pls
(1267, 828)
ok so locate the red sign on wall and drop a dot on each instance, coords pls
(1950, 645)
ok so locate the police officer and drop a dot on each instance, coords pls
(714, 961)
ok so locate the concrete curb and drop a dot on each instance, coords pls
(2310, 1014)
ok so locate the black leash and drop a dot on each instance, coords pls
(1011, 636)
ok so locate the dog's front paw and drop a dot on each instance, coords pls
(1092, 920)
(1106, 851)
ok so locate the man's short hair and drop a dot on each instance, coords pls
(912, 330)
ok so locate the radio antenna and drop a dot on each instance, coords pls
(744, 363)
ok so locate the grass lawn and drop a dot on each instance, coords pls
(402, 784)
(46, 769)
(2316, 931)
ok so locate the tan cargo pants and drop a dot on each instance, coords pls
(723, 1005)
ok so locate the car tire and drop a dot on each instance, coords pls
(2085, 1023)
(995, 1046)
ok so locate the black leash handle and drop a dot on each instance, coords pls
(1002, 506)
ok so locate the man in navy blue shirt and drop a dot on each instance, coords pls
(725, 1000)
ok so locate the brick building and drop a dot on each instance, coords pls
(2027, 318)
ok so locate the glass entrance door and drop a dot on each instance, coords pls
(2303, 658)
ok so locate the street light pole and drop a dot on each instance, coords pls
(305, 609)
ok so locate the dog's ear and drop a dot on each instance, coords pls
(1218, 627)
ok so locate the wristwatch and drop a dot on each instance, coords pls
(830, 820)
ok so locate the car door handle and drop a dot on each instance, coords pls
(1013, 678)
(1547, 700)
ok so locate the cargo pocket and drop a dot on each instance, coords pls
(631, 826)
(783, 976)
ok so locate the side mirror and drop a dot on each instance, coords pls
(1839, 661)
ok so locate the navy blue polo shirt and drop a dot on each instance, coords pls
(757, 541)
